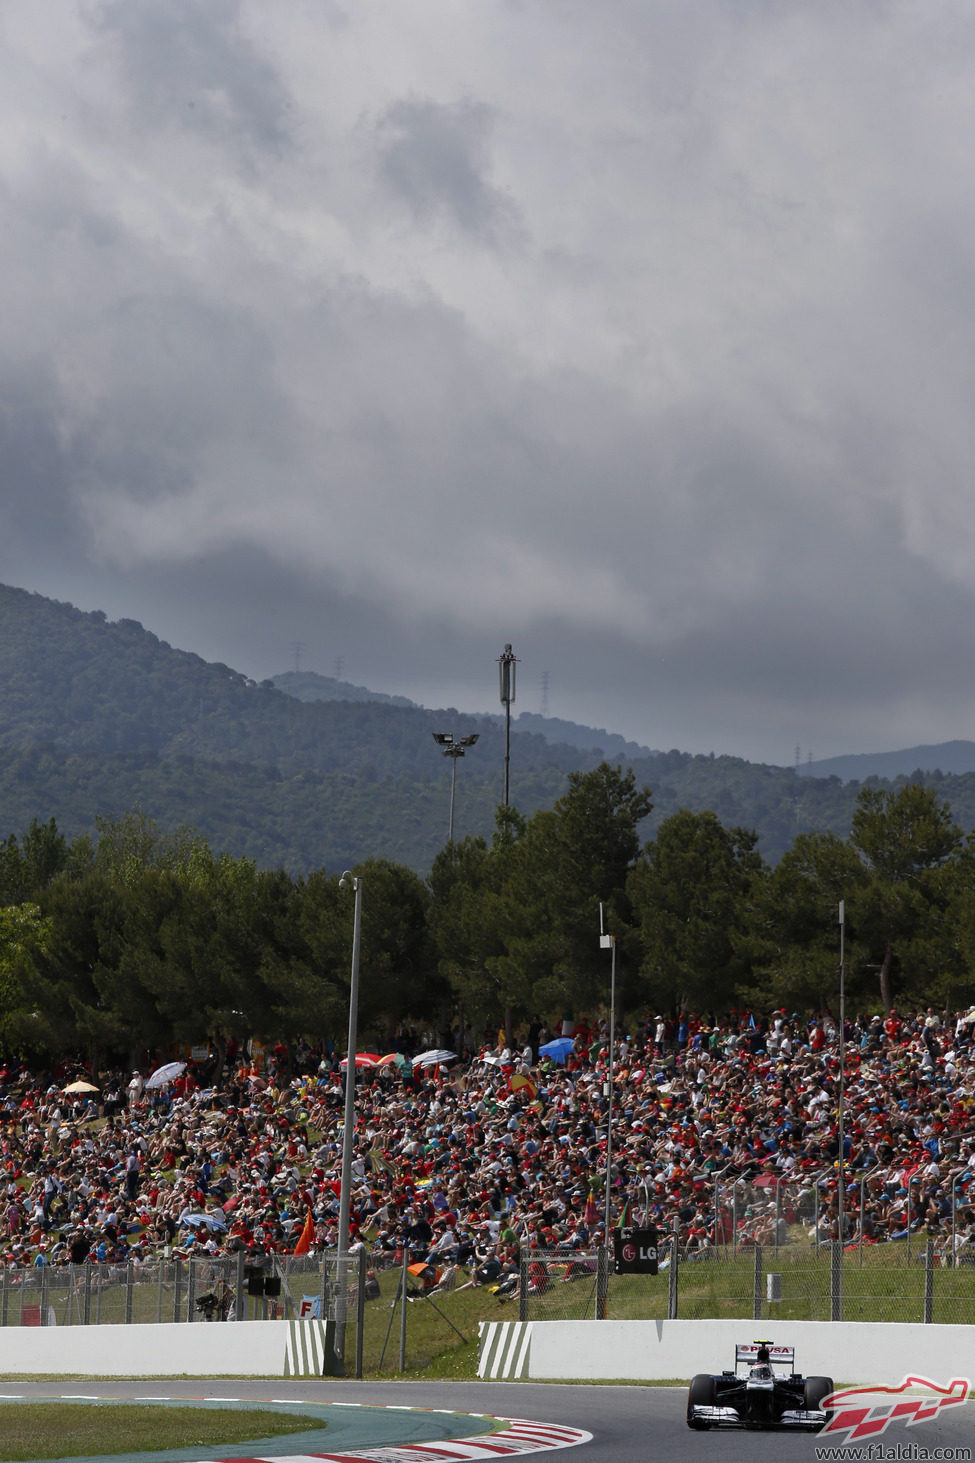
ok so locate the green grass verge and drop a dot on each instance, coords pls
(30, 1430)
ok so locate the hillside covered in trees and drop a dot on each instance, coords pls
(98, 718)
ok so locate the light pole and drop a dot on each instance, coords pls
(453, 747)
(841, 1094)
(610, 942)
(506, 668)
(348, 1130)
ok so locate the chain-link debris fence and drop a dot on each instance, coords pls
(237, 1288)
(233, 1289)
(814, 1282)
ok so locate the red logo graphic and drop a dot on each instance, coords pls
(866, 1412)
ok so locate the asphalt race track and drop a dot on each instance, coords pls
(629, 1424)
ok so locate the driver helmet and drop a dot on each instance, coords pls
(762, 1370)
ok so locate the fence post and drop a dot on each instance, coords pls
(360, 1314)
(778, 1213)
(4, 1301)
(177, 1288)
(929, 1281)
(863, 1182)
(816, 1215)
(129, 1282)
(734, 1219)
(757, 1307)
(402, 1320)
(323, 1293)
(602, 1281)
(674, 1267)
(523, 1253)
(191, 1268)
(240, 1295)
(87, 1311)
(836, 1280)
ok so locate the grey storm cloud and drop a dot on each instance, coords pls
(191, 67)
(436, 158)
(634, 335)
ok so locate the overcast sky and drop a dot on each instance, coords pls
(637, 334)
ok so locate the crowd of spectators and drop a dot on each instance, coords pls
(716, 1120)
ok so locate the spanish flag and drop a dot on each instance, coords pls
(306, 1236)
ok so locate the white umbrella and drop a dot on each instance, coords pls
(81, 1087)
(434, 1058)
(163, 1075)
(213, 1220)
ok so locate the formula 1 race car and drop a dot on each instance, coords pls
(763, 1391)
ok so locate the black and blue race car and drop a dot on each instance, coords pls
(763, 1391)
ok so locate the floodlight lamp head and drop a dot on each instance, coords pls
(346, 880)
(443, 739)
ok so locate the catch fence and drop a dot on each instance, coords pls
(366, 1304)
(191, 1291)
(809, 1282)
(392, 1319)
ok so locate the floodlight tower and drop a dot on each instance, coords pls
(506, 667)
(453, 747)
(608, 942)
(354, 881)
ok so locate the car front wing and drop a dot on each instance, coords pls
(810, 1420)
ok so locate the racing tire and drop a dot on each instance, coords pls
(699, 1394)
(815, 1389)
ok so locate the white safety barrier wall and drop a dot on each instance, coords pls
(853, 1352)
(503, 1349)
(234, 1349)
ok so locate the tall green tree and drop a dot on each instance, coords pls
(29, 865)
(24, 933)
(792, 931)
(525, 912)
(397, 961)
(906, 838)
(691, 893)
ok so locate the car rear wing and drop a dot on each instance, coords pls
(746, 1354)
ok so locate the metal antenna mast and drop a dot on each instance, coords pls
(506, 667)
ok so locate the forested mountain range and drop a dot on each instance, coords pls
(98, 718)
(957, 756)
